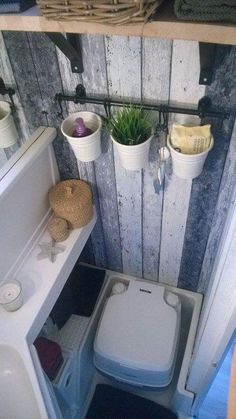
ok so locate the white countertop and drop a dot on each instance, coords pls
(42, 282)
(24, 215)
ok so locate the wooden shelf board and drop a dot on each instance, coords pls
(167, 26)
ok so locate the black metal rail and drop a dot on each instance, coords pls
(204, 108)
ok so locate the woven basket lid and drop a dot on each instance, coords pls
(72, 200)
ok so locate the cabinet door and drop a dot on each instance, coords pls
(48, 394)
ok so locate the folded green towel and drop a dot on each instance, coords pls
(206, 10)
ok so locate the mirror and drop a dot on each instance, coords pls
(13, 130)
(6, 155)
(10, 155)
(24, 204)
(16, 152)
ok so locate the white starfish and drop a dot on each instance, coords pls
(49, 250)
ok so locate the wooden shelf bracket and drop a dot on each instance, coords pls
(207, 60)
(70, 47)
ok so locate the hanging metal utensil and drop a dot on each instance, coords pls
(163, 152)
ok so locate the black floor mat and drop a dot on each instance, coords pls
(110, 403)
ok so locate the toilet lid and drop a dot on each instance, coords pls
(140, 327)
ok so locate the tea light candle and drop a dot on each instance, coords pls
(11, 295)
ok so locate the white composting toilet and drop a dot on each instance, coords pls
(137, 336)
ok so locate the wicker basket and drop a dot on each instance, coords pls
(101, 11)
(72, 200)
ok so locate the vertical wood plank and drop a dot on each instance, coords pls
(105, 178)
(156, 66)
(95, 81)
(129, 195)
(184, 89)
(48, 77)
(87, 173)
(19, 53)
(223, 203)
(185, 73)
(211, 191)
(94, 77)
(175, 211)
(123, 55)
(86, 170)
(46, 71)
(223, 93)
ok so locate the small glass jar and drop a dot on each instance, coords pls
(11, 296)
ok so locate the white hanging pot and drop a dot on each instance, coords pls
(133, 157)
(85, 148)
(8, 132)
(188, 166)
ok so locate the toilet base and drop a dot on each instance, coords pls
(138, 334)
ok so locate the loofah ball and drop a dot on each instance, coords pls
(58, 229)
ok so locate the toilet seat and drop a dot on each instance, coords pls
(137, 336)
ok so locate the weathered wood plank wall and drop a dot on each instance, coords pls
(170, 237)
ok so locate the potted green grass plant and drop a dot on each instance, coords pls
(131, 132)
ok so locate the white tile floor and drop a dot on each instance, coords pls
(215, 404)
